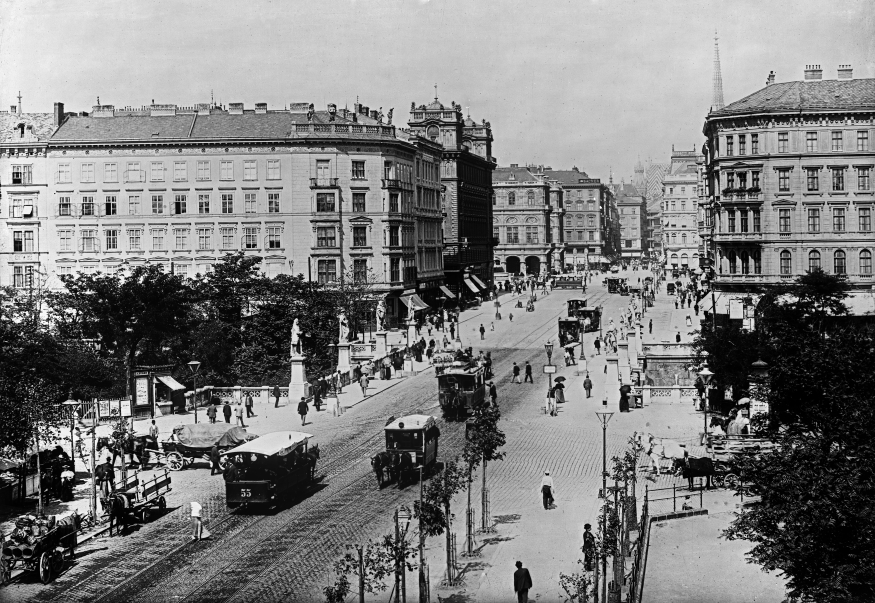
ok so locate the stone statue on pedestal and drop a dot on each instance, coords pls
(296, 339)
(381, 315)
(343, 328)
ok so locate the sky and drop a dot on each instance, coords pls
(589, 83)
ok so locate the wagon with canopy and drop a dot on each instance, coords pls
(461, 387)
(411, 443)
(270, 469)
(190, 443)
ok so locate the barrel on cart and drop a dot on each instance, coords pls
(39, 544)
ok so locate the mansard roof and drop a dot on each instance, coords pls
(811, 95)
(566, 177)
(502, 175)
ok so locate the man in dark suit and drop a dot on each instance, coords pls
(522, 582)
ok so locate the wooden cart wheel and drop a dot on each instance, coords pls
(72, 553)
(175, 461)
(223, 461)
(717, 480)
(162, 504)
(5, 572)
(731, 481)
(45, 567)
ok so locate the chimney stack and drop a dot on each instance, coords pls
(59, 114)
(261, 108)
(846, 72)
(235, 108)
(813, 72)
(12, 108)
(771, 79)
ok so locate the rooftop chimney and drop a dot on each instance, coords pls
(514, 165)
(203, 108)
(235, 108)
(162, 110)
(13, 108)
(771, 79)
(103, 111)
(813, 72)
(58, 114)
(846, 72)
(261, 107)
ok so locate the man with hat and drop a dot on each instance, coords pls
(302, 410)
(493, 394)
(547, 490)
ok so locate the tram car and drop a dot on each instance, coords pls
(417, 436)
(461, 387)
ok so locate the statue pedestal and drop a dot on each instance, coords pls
(381, 348)
(408, 367)
(581, 364)
(411, 332)
(343, 365)
(298, 382)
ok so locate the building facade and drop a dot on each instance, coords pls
(680, 204)
(466, 176)
(632, 211)
(527, 218)
(788, 172)
(653, 197)
(331, 194)
(24, 182)
(587, 224)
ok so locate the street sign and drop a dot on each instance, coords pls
(549, 368)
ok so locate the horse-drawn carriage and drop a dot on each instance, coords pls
(191, 443)
(461, 386)
(269, 469)
(411, 442)
(613, 284)
(137, 495)
(39, 544)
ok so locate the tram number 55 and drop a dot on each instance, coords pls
(245, 493)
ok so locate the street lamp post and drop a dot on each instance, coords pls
(548, 347)
(194, 366)
(604, 416)
(706, 375)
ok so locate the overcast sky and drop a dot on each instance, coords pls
(592, 83)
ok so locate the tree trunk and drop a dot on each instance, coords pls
(483, 511)
(450, 568)
(469, 525)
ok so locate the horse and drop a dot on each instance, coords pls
(135, 446)
(690, 467)
(382, 466)
(118, 511)
(309, 459)
(402, 465)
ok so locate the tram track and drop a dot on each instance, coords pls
(266, 547)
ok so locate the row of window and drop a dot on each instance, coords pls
(180, 238)
(590, 221)
(839, 259)
(512, 234)
(811, 142)
(672, 205)
(839, 215)
(812, 179)
(748, 220)
(674, 238)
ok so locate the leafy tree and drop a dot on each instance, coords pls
(123, 313)
(483, 441)
(371, 564)
(433, 511)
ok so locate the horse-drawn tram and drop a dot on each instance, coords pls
(269, 469)
(461, 387)
(39, 544)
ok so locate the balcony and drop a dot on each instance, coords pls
(390, 183)
(735, 279)
(323, 183)
(729, 237)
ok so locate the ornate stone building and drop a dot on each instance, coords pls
(331, 194)
(789, 177)
(466, 176)
(632, 211)
(680, 238)
(527, 218)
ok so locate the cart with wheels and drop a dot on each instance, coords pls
(191, 443)
(39, 544)
(143, 493)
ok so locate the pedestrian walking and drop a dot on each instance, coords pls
(226, 410)
(363, 382)
(238, 412)
(676, 303)
(598, 346)
(548, 490)
(650, 326)
(677, 337)
(211, 412)
(653, 456)
(493, 394)
(689, 321)
(482, 332)
(588, 548)
(249, 402)
(696, 308)
(199, 532)
(276, 395)
(528, 377)
(510, 316)
(587, 385)
(153, 434)
(452, 331)
(522, 583)
(516, 374)
(492, 324)
(302, 410)
(317, 396)
(214, 460)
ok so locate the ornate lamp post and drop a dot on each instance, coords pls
(604, 417)
(706, 375)
(548, 347)
(194, 366)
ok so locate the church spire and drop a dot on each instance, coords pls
(717, 99)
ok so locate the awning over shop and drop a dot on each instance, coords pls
(414, 302)
(479, 282)
(447, 292)
(472, 286)
(171, 383)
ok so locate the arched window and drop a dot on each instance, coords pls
(744, 256)
(757, 261)
(684, 238)
(785, 262)
(840, 265)
(569, 221)
(674, 259)
(530, 197)
(674, 238)
(684, 259)
(866, 262)
(591, 221)
(511, 198)
(813, 260)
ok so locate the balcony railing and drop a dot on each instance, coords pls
(323, 182)
(725, 237)
(391, 183)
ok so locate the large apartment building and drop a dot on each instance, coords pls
(331, 194)
(632, 210)
(680, 204)
(789, 178)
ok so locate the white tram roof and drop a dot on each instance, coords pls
(412, 422)
(278, 443)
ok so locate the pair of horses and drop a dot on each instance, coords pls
(135, 446)
(392, 466)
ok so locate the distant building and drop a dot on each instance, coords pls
(653, 197)
(789, 176)
(679, 211)
(632, 211)
(527, 220)
(466, 176)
